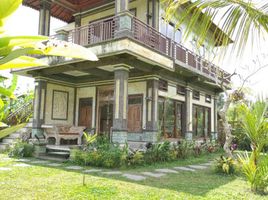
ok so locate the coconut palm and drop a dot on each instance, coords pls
(241, 20)
(255, 125)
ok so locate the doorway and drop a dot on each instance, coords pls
(85, 112)
(105, 110)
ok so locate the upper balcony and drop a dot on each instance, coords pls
(114, 28)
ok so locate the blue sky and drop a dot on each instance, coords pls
(25, 22)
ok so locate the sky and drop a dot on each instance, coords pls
(25, 22)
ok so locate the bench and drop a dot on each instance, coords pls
(64, 132)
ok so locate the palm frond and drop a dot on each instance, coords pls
(238, 19)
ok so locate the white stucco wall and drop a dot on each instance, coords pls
(49, 100)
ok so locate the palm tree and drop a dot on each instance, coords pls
(255, 125)
(242, 20)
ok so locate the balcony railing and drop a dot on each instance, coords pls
(106, 30)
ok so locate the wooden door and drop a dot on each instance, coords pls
(135, 113)
(85, 112)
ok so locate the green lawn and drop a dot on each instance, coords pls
(12, 129)
(42, 182)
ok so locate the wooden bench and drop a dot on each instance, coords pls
(64, 132)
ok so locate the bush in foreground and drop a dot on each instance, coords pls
(21, 149)
(102, 153)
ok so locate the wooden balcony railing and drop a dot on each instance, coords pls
(105, 30)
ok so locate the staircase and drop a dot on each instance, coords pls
(10, 139)
(21, 115)
(56, 153)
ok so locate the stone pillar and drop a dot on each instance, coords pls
(214, 120)
(120, 104)
(188, 114)
(125, 19)
(151, 132)
(121, 6)
(39, 108)
(44, 17)
(62, 35)
(77, 20)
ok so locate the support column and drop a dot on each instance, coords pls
(214, 120)
(121, 6)
(39, 108)
(120, 104)
(77, 20)
(151, 132)
(188, 115)
(125, 19)
(44, 17)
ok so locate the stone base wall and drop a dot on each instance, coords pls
(150, 136)
(119, 136)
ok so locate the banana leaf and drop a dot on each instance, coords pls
(22, 62)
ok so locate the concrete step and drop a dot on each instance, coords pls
(52, 158)
(58, 154)
(52, 148)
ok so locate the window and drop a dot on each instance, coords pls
(181, 90)
(201, 121)
(170, 117)
(208, 98)
(196, 95)
(163, 85)
(168, 29)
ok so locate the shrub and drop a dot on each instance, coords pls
(21, 149)
(256, 175)
(158, 152)
(225, 165)
(104, 156)
(183, 149)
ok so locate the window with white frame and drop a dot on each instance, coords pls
(169, 30)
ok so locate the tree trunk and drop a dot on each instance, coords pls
(226, 126)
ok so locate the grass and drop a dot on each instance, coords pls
(7, 131)
(42, 182)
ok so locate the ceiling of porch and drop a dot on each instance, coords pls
(86, 71)
(65, 9)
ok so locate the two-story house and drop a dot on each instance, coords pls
(145, 85)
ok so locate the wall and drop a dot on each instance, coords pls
(141, 10)
(49, 104)
(172, 93)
